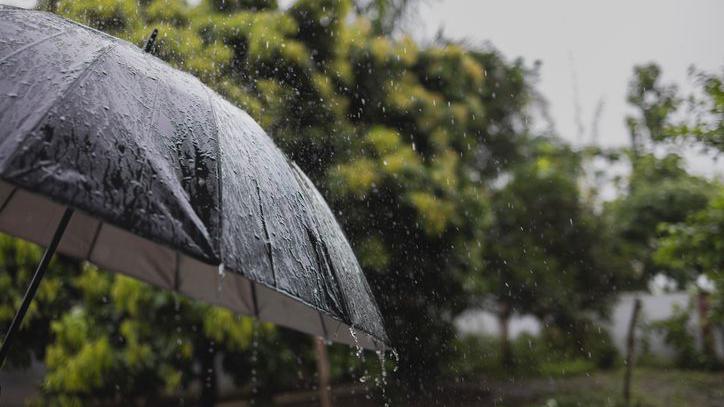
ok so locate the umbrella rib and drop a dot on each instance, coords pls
(217, 137)
(95, 239)
(8, 198)
(254, 299)
(177, 272)
(343, 295)
(32, 44)
(324, 265)
(266, 234)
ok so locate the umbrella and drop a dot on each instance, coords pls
(145, 171)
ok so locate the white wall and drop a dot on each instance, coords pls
(654, 308)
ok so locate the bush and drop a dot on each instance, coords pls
(677, 335)
(532, 356)
(552, 354)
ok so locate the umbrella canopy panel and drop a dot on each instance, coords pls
(174, 185)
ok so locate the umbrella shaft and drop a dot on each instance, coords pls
(34, 283)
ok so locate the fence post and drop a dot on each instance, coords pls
(630, 348)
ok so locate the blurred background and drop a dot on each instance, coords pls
(514, 177)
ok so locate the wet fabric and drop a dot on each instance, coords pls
(156, 162)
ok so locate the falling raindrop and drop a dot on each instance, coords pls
(397, 360)
(359, 352)
(254, 358)
(222, 274)
(382, 380)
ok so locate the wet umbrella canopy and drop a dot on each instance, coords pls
(170, 183)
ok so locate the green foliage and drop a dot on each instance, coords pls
(582, 340)
(18, 260)
(233, 5)
(705, 116)
(385, 15)
(425, 155)
(403, 141)
(676, 333)
(655, 103)
(696, 246)
(549, 355)
(127, 340)
(658, 104)
(114, 16)
(660, 191)
(547, 252)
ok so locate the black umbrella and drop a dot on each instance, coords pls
(158, 177)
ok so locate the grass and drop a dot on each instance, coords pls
(651, 387)
(575, 367)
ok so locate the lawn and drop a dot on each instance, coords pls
(651, 387)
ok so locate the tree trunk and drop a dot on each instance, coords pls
(630, 345)
(323, 369)
(506, 355)
(208, 376)
(707, 337)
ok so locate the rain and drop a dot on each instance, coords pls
(360, 202)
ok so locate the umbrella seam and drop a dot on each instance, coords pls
(325, 253)
(76, 82)
(32, 44)
(220, 183)
(363, 278)
(64, 94)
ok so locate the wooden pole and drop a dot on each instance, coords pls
(323, 369)
(506, 356)
(630, 348)
(707, 336)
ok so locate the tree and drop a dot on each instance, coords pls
(695, 245)
(404, 143)
(659, 189)
(654, 102)
(704, 122)
(548, 252)
(413, 200)
(385, 15)
(657, 105)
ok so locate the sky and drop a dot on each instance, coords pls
(591, 46)
(587, 50)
